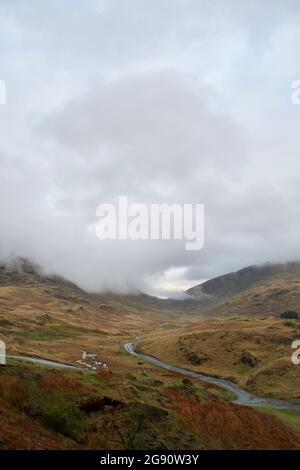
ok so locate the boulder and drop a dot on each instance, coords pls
(290, 314)
(248, 358)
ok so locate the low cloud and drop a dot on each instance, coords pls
(176, 107)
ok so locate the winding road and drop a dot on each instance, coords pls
(242, 397)
(44, 362)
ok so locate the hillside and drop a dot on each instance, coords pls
(255, 290)
(254, 353)
(53, 318)
(24, 273)
(239, 281)
(138, 404)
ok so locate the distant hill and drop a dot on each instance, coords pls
(265, 289)
(235, 282)
(22, 272)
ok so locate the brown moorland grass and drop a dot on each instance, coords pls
(58, 322)
(55, 381)
(19, 432)
(252, 352)
(221, 425)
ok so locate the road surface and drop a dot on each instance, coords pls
(242, 397)
(44, 362)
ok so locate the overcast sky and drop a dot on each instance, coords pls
(185, 101)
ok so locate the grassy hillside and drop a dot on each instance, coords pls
(53, 318)
(256, 290)
(239, 281)
(44, 408)
(138, 405)
(256, 354)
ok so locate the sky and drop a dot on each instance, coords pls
(164, 101)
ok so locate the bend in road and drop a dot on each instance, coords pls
(242, 397)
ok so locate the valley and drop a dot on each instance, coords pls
(114, 400)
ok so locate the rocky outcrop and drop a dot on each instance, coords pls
(196, 359)
(248, 358)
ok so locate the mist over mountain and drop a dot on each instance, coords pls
(145, 103)
(236, 282)
(268, 289)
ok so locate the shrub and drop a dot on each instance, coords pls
(64, 418)
(95, 403)
(13, 390)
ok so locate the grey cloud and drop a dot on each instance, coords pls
(162, 101)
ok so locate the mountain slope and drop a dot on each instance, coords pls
(239, 281)
(267, 289)
(139, 405)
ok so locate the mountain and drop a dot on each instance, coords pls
(24, 273)
(236, 282)
(265, 289)
(41, 315)
(236, 330)
(140, 406)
